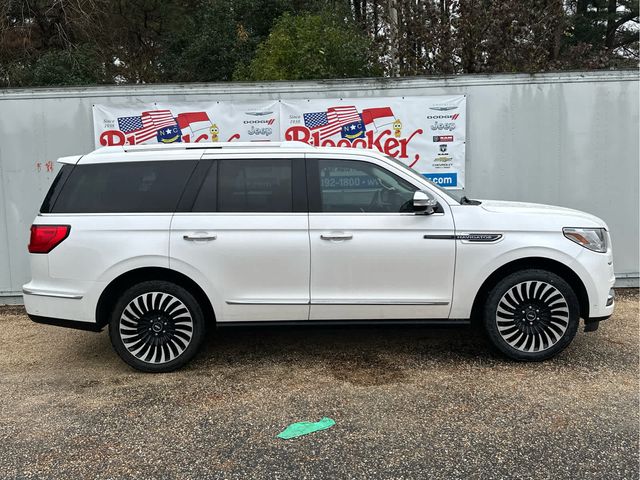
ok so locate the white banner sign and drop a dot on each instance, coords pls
(426, 133)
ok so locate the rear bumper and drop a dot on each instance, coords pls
(59, 322)
(64, 299)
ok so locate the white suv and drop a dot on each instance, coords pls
(158, 242)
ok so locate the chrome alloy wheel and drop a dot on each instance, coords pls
(532, 316)
(156, 327)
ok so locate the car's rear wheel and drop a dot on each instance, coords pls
(531, 315)
(156, 326)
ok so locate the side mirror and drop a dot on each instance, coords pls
(423, 204)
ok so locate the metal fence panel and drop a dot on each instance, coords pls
(569, 139)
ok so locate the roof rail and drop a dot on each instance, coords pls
(213, 146)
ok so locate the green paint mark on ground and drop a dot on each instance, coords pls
(303, 428)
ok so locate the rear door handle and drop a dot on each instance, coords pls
(336, 236)
(195, 237)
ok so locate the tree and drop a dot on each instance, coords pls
(311, 46)
(69, 42)
(604, 33)
(73, 66)
(509, 35)
(43, 42)
(223, 34)
(435, 37)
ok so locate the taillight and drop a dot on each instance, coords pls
(45, 238)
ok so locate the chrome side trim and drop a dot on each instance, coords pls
(334, 302)
(44, 293)
(470, 237)
(439, 237)
(267, 302)
(377, 302)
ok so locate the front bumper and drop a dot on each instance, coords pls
(591, 324)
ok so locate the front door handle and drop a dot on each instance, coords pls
(204, 237)
(336, 236)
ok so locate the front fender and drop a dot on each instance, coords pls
(475, 263)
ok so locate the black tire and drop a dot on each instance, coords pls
(156, 326)
(531, 315)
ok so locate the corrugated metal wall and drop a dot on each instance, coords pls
(569, 139)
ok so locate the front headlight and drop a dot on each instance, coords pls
(592, 238)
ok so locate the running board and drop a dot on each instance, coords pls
(350, 323)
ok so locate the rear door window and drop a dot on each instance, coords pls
(247, 185)
(128, 187)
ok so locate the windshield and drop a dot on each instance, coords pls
(457, 196)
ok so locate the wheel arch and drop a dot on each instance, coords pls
(541, 263)
(118, 285)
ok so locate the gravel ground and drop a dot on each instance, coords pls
(408, 403)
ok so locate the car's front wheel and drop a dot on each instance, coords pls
(156, 326)
(531, 315)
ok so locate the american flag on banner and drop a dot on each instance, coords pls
(142, 128)
(330, 122)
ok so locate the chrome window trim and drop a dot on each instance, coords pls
(375, 214)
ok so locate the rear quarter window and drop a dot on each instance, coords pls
(55, 188)
(129, 187)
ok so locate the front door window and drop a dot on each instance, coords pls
(360, 187)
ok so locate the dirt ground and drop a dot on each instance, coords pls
(408, 403)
